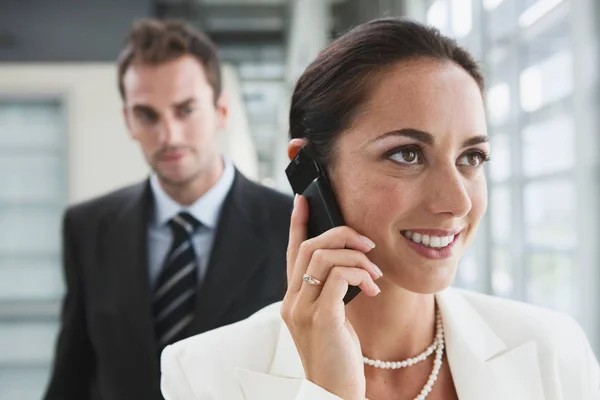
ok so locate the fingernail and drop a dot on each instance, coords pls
(377, 270)
(378, 290)
(368, 241)
(295, 200)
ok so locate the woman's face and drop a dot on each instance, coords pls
(408, 172)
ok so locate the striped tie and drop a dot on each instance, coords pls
(175, 292)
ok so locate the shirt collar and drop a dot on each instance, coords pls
(206, 209)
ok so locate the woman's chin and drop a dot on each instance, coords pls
(424, 279)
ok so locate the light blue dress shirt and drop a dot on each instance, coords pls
(206, 210)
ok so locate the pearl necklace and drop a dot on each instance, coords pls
(437, 346)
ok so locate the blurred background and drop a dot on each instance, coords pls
(62, 139)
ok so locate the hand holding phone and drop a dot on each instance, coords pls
(309, 179)
(314, 312)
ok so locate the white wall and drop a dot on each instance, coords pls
(102, 157)
(304, 44)
(236, 141)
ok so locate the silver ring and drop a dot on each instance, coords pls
(311, 280)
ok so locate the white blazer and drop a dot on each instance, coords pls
(497, 350)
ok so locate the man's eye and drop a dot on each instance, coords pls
(184, 112)
(146, 116)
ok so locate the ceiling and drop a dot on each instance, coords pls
(239, 22)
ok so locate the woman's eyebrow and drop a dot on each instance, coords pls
(411, 133)
(476, 140)
(428, 138)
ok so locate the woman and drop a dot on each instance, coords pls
(394, 110)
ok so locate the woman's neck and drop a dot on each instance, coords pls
(394, 325)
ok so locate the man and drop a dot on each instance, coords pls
(194, 247)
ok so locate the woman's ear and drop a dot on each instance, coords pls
(294, 147)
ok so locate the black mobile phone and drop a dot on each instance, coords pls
(309, 179)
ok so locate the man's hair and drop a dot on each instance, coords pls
(153, 42)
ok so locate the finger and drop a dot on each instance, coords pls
(297, 234)
(323, 261)
(337, 238)
(336, 286)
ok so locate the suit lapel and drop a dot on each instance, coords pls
(284, 376)
(237, 253)
(127, 259)
(260, 386)
(482, 365)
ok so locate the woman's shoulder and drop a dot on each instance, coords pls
(216, 354)
(499, 311)
(555, 332)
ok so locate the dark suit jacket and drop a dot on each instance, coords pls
(106, 349)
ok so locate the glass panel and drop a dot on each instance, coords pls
(36, 178)
(23, 383)
(498, 98)
(501, 18)
(467, 271)
(500, 207)
(548, 73)
(530, 11)
(437, 15)
(25, 230)
(500, 163)
(30, 280)
(550, 214)
(23, 343)
(31, 124)
(33, 182)
(502, 272)
(262, 101)
(549, 146)
(550, 280)
(547, 82)
(490, 5)
(498, 103)
(251, 70)
(462, 17)
(497, 57)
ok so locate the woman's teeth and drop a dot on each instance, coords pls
(430, 241)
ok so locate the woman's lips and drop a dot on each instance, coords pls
(433, 253)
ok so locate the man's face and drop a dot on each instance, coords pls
(170, 110)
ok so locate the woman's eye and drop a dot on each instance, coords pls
(406, 156)
(473, 159)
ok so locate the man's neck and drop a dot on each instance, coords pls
(191, 191)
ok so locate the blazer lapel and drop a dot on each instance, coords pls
(482, 365)
(127, 258)
(238, 251)
(285, 374)
(259, 386)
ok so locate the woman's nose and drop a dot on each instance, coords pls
(448, 193)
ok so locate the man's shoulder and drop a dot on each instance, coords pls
(216, 354)
(264, 206)
(263, 194)
(106, 202)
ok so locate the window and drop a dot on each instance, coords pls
(33, 178)
(541, 120)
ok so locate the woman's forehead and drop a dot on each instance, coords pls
(427, 95)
